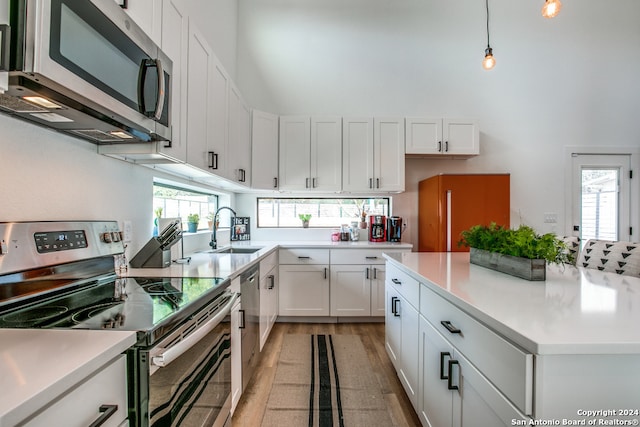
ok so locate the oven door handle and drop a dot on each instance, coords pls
(168, 355)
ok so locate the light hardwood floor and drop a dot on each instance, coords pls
(251, 407)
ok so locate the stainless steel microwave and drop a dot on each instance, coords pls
(85, 68)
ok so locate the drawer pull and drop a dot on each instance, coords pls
(106, 412)
(396, 281)
(443, 354)
(447, 324)
(371, 257)
(396, 310)
(304, 257)
(450, 385)
(241, 322)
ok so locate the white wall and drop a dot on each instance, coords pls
(569, 81)
(47, 176)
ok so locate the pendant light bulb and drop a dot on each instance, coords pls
(551, 8)
(489, 61)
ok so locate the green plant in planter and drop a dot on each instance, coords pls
(193, 218)
(522, 242)
(304, 217)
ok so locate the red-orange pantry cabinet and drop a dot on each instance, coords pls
(450, 204)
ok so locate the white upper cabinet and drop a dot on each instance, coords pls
(310, 153)
(175, 43)
(442, 137)
(264, 151)
(148, 15)
(239, 145)
(199, 85)
(373, 155)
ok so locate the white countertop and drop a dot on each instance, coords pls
(208, 264)
(37, 365)
(575, 311)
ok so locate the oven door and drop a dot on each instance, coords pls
(189, 381)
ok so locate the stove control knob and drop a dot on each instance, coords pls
(115, 236)
(4, 248)
(106, 237)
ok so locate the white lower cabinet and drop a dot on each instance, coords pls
(236, 348)
(402, 329)
(102, 396)
(304, 290)
(268, 296)
(357, 290)
(452, 392)
(304, 282)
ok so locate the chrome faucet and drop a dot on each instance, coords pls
(214, 240)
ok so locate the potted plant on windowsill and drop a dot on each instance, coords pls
(192, 222)
(519, 252)
(305, 220)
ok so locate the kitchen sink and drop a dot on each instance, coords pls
(234, 250)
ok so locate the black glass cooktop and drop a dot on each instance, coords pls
(150, 306)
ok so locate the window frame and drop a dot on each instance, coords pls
(345, 220)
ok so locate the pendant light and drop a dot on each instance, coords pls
(489, 61)
(551, 8)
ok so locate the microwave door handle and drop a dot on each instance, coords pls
(144, 66)
(168, 355)
(161, 88)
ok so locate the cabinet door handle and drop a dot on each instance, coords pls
(275, 182)
(396, 307)
(439, 146)
(450, 385)
(375, 273)
(377, 182)
(446, 146)
(306, 183)
(106, 411)
(370, 182)
(443, 354)
(213, 160)
(272, 279)
(393, 305)
(313, 183)
(325, 272)
(367, 273)
(242, 324)
(447, 324)
(396, 281)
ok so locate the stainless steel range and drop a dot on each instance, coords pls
(61, 275)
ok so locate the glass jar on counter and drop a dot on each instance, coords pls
(335, 235)
(345, 234)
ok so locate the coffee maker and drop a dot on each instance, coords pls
(377, 231)
(394, 228)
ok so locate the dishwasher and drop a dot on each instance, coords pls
(249, 321)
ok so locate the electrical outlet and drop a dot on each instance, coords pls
(126, 231)
(551, 218)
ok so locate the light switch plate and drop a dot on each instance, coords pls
(126, 231)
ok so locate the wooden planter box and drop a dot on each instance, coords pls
(529, 269)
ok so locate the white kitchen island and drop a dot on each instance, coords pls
(525, 351)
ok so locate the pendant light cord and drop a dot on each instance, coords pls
(488, 44)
